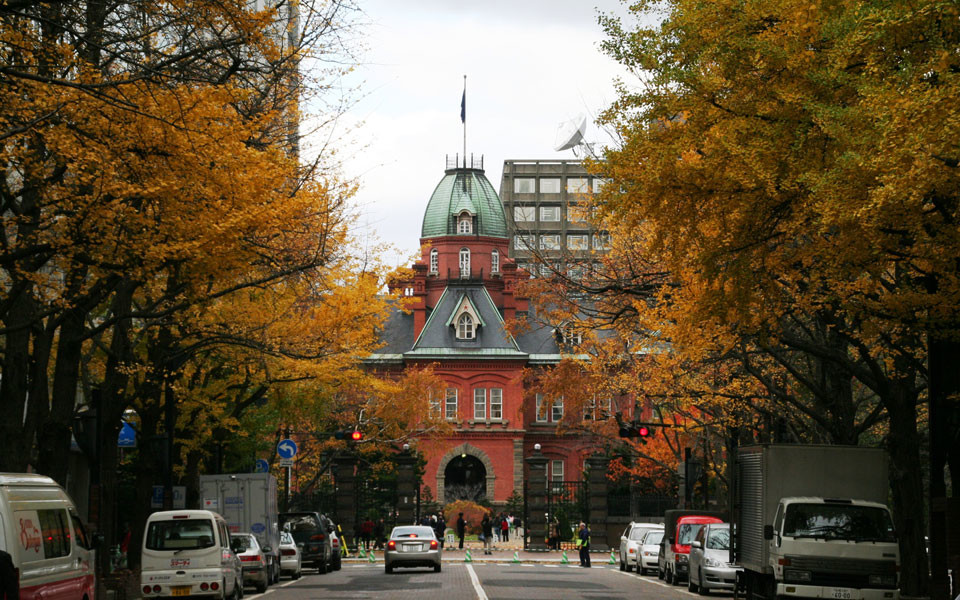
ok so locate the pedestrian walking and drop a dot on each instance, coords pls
(555, 534)
(504, 529)
(378, 532)
(440, 528)
(461, 529)
(366, 530)
(583, 541)
(486, 527)
(9, 585)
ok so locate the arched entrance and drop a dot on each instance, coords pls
(460, 453)
(465, 478)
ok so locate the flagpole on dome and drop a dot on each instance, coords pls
(463, 119)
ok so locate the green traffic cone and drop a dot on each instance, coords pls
(516, 557)
(467, 557)
(360, 552)
(564, 560)
(371, 558)
(612, 560)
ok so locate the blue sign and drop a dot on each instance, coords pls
(156, 500)
(233, 501)
(287, 448)
(262, 466)
(258, 528)
(127, 437)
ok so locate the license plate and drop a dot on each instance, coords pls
(180, 590)
(413, 548)
(841, 593)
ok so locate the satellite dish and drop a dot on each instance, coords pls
(570, 133)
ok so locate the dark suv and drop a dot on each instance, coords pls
(311, 532)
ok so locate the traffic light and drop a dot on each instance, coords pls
(636, 430)
(356, 435)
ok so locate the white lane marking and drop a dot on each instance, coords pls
(291, 582)
(481, 595)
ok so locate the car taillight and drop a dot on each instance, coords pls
(214, 586)
(391, 545)
(204, 586)
(629, 550)
(288, 552)
(146, 589)
(156, 589)
(249, 558)
(433, 544)
(319, 537)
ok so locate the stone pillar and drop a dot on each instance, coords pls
(518, 466)
(536, 525)
(406, 488)
(345, 478)
(597, 502)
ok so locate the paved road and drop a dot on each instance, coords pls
(476, 581)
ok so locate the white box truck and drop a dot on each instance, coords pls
(248, 503)
(812, 522)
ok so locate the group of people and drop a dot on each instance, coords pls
(439, 525)
(372, 533)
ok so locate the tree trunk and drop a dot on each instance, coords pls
(15, 441)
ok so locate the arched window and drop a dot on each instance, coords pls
(434, 261)
(494, 262)
(465, 329)
(464, 262)
(465, 225)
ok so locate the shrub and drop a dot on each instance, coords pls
(472, 512)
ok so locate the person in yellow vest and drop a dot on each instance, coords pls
(583, 542)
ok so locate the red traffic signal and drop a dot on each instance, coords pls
(356, 435)
(643, 431)
(636, 430)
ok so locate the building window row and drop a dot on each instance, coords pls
(551, 241)
(464, 262)
(487, 404)
(552, 185)
(545, 409)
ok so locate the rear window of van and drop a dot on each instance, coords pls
(180, 534)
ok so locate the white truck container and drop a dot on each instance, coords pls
(248, 503)
(811, 522)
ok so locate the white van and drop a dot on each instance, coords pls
(42, 532)
(188, 553)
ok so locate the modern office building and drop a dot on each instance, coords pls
(547, 217)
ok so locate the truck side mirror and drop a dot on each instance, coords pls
(768, 532)
(696, 544)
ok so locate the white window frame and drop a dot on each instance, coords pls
(554, 470)
(479, 404)
(466, 330)
(601, 241)
(495, 261)
(550, 214)
(550, 185)
(598, 183)
(556, 410)
(465, 224)
(524, 214)
(436, 409)
(578, 241)
(541, 416)
(464, 262)
(578, 185)
(589, 409)
(450, 405)
(496, 404)
(524, 185)
(434, 261)
(525, 242)
(550, 241)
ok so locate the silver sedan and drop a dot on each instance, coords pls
(412, 546)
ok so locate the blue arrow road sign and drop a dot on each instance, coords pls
(287, 449)
(127, 437)
(262, 466)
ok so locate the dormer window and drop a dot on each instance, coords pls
(465, 328)
(465, 223)
(494, 262)
(464, 262)
(434, 261)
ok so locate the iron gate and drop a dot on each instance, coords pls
(567, 505)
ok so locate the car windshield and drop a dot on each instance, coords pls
(303, 526)
(653, 537)
(718, 539)
(687, 532)
(286, 538)
(180, 534)
(244, 542)
(638, 533)
(838, 521)
(412, 532)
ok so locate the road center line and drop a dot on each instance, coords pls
(481, 595)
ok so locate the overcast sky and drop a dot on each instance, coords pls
(530, 64)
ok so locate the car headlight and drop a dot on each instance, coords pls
(797, 576)
(886, 580)
(710, 562)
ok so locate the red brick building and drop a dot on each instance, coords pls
(464, 288)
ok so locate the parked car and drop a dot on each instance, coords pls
(412, 546)
(676, 550)
(630, 543)
(290, 562)
(312, 534)
(335, 544)
(710, 568)
(253, 560)
(41, 529)
(650, 552)
(189, 553)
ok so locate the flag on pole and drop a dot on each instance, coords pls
(463, 107)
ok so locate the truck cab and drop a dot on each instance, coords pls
(833, 548)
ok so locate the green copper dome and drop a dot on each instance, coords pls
(459, 190)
